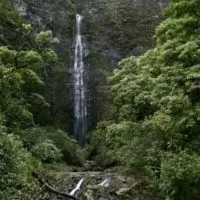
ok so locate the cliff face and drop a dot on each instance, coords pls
(113, 29)
(57, 16)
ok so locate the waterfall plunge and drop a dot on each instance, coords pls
(80, 103)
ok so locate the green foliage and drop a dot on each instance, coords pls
(97, 146)
(16, 165)
(46, 151)
(38, 137)
(18, 81)
(29, 59)
(180, 176)
(45, 38)
(18, 116)
(156, 130)
(27, 27)
(69, 147)
(21, 77)
(23, 65)
(10, 23)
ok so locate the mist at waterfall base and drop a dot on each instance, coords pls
(80, 101)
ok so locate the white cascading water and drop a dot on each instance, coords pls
(80, 103)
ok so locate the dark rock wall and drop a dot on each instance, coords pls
(113, 29)
(58, 16)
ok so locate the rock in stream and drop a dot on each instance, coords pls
(95, 186)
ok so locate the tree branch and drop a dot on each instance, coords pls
(51, 189)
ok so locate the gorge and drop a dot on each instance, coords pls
(99, 99)
(106, 28)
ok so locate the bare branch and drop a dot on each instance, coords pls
(51, 189)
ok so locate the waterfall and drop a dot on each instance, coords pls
(80, 104)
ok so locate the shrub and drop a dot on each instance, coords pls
(46, 151)
(180, 176)
(69, 148)
(15, 170)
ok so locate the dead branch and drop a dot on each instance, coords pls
(51, 189)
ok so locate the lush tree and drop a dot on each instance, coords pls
(56, 140)
(22, 73)
(156, 129)
(25, 58)
(46, 151)
(16, 165)
(18, 82)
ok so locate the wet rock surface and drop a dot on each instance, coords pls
(112, 30)
(118, 187)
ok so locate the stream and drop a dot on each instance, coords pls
(94, 185)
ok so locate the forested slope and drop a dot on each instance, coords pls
(154, 133)
(25, 56)
(112, 30)
(150, 115)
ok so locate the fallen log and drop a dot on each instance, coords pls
(51, 189)
(78, 186)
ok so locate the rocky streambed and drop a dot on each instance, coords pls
(95, 185)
